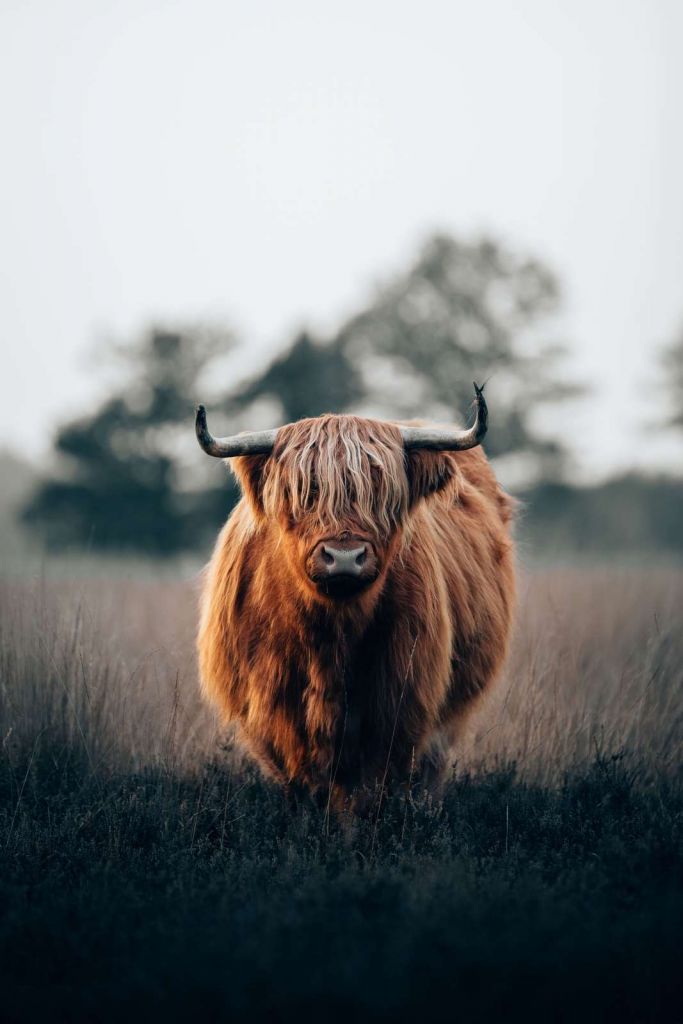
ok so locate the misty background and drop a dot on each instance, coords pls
(286, 210)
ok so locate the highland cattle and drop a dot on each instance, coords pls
(359, 598)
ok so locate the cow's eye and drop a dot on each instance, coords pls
(313, 491)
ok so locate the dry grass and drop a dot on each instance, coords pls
(596, 667)
(142, 875)
(104, 665)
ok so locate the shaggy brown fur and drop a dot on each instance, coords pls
(338, 694)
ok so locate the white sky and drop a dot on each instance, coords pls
(266, 162)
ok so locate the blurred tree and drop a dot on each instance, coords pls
(308, 379)
(121, 487)
(462, 311)
(633, 515)
(672, 368)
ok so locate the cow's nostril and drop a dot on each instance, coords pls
(328, 559)
(361, 556)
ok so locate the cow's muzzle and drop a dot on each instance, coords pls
(342, 568)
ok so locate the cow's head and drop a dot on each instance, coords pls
(340, 490)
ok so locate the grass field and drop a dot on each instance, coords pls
(144, 869)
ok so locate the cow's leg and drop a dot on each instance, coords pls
(435, 763)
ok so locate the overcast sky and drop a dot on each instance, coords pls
(267, 162)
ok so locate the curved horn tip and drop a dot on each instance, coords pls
(479, 390)
(201, 429)
(200, 419)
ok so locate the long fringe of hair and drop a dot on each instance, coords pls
(335, 468)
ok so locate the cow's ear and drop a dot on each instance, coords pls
(428, 472)
(249, 471)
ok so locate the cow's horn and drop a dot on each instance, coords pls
(258, 442)
(442, 439)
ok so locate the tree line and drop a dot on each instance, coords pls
(128, 475)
